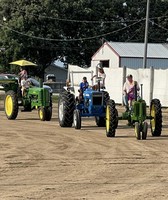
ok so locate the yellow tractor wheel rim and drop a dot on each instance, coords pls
(153, 115)
(107, 119)
(41, 114)
(8, 105)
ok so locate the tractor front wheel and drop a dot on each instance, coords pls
(144, 130)
(156, 114)
(77, 119)
(11, 105)
(100, 121)
(42, 114)
(137, 131)
(111, 119)
(48, 113)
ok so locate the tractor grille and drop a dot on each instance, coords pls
(97, 99)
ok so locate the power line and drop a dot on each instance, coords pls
(136, 32)
(159, 25)
(88, 21)
(79, 21)
(70, 40)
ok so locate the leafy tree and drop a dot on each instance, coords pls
(24, 22)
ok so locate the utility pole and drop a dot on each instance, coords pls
(146, 35)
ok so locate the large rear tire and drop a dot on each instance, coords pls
(156, 114)
(111, 119)
(106, 97)
(66, 106)
(11, 105)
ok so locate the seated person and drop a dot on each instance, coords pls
(22, 79)
(102, 75)
(129, 91)
(25, 85)
(83, 86)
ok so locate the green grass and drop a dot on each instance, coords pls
(55, 99)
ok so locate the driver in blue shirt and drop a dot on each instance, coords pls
(83, 86)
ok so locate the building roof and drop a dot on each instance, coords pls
(50, 67)
(125, 49)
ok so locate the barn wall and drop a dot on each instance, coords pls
(106, 53)
(138, 63)
(60, 74)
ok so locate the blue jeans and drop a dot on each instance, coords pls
(125, 99)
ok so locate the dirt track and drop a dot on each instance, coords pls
(40, 160)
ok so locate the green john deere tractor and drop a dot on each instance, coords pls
(136, 117)
(34, 98)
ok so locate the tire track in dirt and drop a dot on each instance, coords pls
(44, 161)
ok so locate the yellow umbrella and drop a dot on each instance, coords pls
(23, 63)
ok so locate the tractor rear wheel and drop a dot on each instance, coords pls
(111, 119)
(106, 97)
(100, 121)
(156, 114)
(137, 131)
(48, 113)
(66, 106)
(77, 119)
(144, 130)
(11, 105)
(42, 113)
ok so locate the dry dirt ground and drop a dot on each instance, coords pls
(40, 160)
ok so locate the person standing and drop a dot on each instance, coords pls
(102, 75)
(129, 91)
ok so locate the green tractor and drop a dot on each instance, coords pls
(136, 117)
(34, 98)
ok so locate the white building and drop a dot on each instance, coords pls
(119, 54)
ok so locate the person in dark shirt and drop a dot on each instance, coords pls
(82, 87)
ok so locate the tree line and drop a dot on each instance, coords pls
(43, 30)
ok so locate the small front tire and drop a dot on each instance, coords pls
(42, 114)
(100, 121)
(144, 130)
(77, 119)
(137, 131)
(48, 113)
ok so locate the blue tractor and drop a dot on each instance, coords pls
(92, 104)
